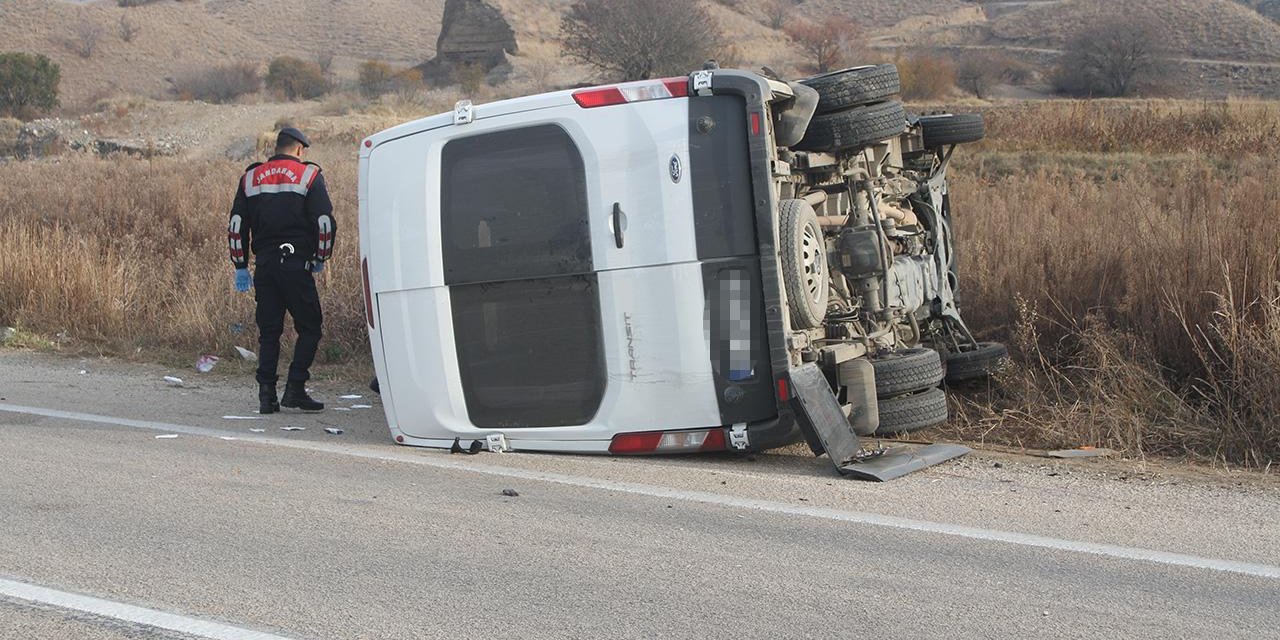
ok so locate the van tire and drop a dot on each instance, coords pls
(952, 128)
(804, 263)
(855, 128)
(913, 412)
(907, 371)
(982, 362)
(840, 90)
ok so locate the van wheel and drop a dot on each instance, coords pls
(987, 359)
(952, 128)
(854, 128)
(907, 371)
(840, 90)
(804, 263)
(914, 412)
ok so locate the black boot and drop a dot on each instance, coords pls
(295, 396)
(267, 402)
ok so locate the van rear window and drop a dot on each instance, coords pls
(514, 206)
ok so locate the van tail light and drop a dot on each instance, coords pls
(632, 92)
(784, 391)
(368, 293)
(668, 441)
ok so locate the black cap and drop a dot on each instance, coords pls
(291, 132)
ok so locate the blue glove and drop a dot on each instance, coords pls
(243, 281)
(317, 267)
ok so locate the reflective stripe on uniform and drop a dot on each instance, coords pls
(324, 239)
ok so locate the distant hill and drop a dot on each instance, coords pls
(175, 37)
(1205, 29)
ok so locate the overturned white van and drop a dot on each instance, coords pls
(638, 268)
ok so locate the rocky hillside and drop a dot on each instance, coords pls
(107, 50)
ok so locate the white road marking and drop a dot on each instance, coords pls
(129, 613)
(858, 517)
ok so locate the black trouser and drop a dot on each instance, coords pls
(281, 287)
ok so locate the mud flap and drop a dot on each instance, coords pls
(827, 430)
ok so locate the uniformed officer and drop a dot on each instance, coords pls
(283, 214)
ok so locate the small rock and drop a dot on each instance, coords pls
(332, 431)
(998, 465)
(510, 493)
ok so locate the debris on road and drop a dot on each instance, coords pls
(176, 382)
(361, 406)
(332, 431)
(350, 397)
(246, 354)
(229, 437)
(1082, 452)
(293, 428)
(166, 436)
(510, 493)
(341, 408)
(258, 430)
(204, 364)
(241, 417)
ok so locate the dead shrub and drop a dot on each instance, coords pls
(219, 84)
(295, 79)
(925, 76)
(826, 44)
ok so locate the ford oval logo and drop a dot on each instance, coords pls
(674, 168)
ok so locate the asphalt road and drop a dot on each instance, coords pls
(300, 534)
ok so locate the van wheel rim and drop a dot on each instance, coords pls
(811, 257)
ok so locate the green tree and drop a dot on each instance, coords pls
(28, 84)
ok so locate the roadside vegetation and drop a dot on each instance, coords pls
(1126, 251)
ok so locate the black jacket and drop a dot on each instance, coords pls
(282, 200)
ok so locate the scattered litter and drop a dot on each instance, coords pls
(247, 354)
(333, 432)
(241, 417)
(510, 493)
(1082, 452)
(341, 409)
(166, 436)
(229, 437)
(361, 406)
(351, 397)
(237, 328)
(9, 332)
(83, 372)
(258, 430)
(177, 382)
(293, 428)
(204, 364)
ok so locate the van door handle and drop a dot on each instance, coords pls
(618, 219)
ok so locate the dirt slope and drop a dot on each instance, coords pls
(172, 38)
(1208, 29)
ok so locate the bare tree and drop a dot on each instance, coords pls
(1111, 58)
(977, 73)
(826, 45)
(776, 12)
(128, 28)
(639, 39)
(325, 60)
(84, 39)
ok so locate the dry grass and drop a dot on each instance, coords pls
(1131, 261)
(1126, 251)
(131, 254)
